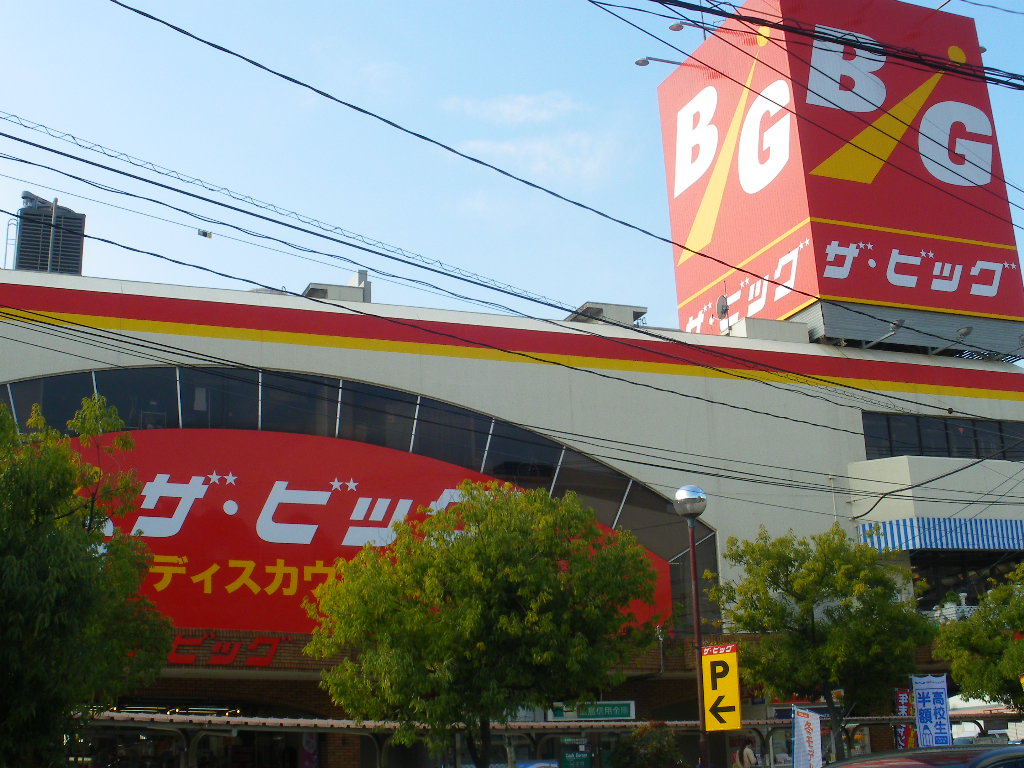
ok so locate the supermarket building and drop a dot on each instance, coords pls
(845, 357)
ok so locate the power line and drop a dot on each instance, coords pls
(865, 395)
(968, 71)
(968, 161)
(507, 174)
(461, 339)
(699, 469)
(993, 7)
(273, 208)
(799, 378)
(791, 110)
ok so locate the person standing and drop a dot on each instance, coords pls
(747, 757)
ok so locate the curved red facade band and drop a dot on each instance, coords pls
(243, 525)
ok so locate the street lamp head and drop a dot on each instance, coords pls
(689, 501)
(642, 62)
(676, 26)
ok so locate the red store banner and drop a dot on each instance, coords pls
(244, 525)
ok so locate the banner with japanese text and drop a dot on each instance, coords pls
(904, 732)
(820, 162)
(244, 525)
(931, 710)
(806, 739)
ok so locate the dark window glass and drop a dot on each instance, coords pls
(521, 457)
(451, 434)
(293, 402)
(220, 398)
(600, 488)
(651, 519)
(988, 438)
(905, 438)
(1013, 440)
(933, 437)
(876, 436)
(58, 396)
(961, 438)
(145, 398)
(377, 415)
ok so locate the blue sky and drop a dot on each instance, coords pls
(546, 89)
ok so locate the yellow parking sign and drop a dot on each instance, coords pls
(721, 673)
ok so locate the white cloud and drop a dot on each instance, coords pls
(575, 156)
(515, 109)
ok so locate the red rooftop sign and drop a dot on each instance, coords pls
(829, 166)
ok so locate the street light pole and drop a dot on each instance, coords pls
(689, 502)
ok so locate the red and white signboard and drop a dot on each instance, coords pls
(826, 166)
(244, 525)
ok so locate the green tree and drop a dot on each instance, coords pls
(985, 650)
(505, 600)
(652, 745)
(74, 631)
(834, 615)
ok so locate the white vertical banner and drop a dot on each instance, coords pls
(806, 739)
(931, 708)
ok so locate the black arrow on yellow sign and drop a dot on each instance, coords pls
(716, 708)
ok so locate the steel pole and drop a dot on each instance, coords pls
(703, 745)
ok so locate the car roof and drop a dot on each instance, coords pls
(974, 756)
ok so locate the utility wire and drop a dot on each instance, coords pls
(968, 161)
(993, 7)
(461, 339)
(797, 378)
(276, 209)
(791, 110)
(968, 71)
(800, 378)
(507, 174)
(63, 329)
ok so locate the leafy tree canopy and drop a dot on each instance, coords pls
(652, 745)
(986, 649)
(505, 600)
(74, 631)
(837, 617)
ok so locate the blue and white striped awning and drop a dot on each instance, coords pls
(944, 533)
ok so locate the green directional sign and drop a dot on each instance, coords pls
(595, 710)
(576, 760)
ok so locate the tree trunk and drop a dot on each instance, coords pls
(835, 716)
(480, 753)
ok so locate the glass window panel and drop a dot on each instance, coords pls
(377, 415)
(294, 402)
(651, 519)
(451, 434)
(876, 436)
(520, 457)
(988, 438)
(219, 398)
(59, 396)
(599, 487)
(905, 438)
(682, 598)
(145, 398)
(961, 438)
(934, 441)
(1013, 440)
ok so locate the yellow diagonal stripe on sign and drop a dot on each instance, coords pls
(861, 158)
(703, 228)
